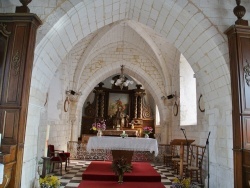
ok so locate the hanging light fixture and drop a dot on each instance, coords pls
(122, 81)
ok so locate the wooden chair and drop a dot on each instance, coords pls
(52, 149)
(175, 157)
(167, 157)
(194, 171)
(188, 157)
(58, 157)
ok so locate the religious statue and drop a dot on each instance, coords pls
(119, 118)
(127, 121)
(132, 124)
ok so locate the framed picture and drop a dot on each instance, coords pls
(118, 101)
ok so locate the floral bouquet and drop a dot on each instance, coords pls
(182, 183)
(120, 166)
(147, 130)
(101, 125)
(49, 182)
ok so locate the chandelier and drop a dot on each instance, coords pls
(122, 81)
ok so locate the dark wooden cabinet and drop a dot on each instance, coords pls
(239, 50)
(17, 44)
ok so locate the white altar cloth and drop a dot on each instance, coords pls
(119, 143)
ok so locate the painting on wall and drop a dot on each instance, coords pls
(118, 101)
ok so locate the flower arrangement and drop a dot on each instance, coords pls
(49, 182)
(120, 166)
(147, 130)
(100, 125)
(182, 183)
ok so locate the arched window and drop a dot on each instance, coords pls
(188, 104)
(157, 116)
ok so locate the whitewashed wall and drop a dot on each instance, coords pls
(195, 28)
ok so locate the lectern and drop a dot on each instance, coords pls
(181, 143)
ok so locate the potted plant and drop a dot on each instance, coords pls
(99, 126)
(49, 182)
(120, 166)
(181, 183)
(147, 131)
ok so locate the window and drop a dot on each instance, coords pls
(188, 104)
(157, 116)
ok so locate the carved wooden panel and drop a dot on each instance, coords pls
(245, 74)
(90, 109)
(13, 81)
(245, 158)
(246, 167)
(4, 38)
(146, 110)
(87, 124)
(9, 124)
(246, 131)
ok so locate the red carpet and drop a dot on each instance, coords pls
(114, 184)
(102, 171)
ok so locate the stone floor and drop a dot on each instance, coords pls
(73, 176)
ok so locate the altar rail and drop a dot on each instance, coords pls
(78, 151)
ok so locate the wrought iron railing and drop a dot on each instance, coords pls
(78, 151)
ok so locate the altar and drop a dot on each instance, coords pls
(112, 132)
(123, 146)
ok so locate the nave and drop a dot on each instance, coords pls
(73, 176)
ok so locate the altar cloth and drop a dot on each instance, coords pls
(119, 143)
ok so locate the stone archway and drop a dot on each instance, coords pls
(196, 38)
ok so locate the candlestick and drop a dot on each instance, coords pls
(46, 141)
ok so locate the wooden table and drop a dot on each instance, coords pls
(181, 143)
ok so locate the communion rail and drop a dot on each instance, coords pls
(78, 151)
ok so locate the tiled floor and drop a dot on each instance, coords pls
(73, 176)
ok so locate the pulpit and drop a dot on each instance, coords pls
(181, 143)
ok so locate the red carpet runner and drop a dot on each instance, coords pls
(102, 171)
(112, 184)
(99, 174)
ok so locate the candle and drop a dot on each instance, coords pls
(123, 132)
(46, 141)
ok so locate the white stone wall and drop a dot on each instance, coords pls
(194, 28)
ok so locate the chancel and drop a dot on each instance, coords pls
(113, 67)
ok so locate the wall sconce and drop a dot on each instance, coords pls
(73, 95)
(171, 96)
(163, 97)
